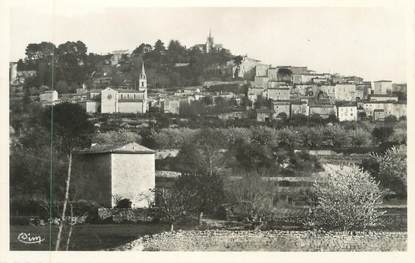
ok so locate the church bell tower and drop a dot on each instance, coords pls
(142, 79)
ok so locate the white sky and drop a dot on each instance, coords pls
(365, 41)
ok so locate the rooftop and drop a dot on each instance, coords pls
(131, 148)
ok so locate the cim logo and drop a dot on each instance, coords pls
(27, 238)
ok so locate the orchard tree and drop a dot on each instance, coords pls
(346, 199)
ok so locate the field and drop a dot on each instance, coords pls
(222, 240)
(85, 237)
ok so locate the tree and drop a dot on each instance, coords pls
(392, 173)
(141, 49)
(360, 138)
(398, 136)
(202, 153)
(159, 46)
(254, 196)
(39, 52)
(70, 128)
(382, 133)
(71, 65)
(191, 194)
(346, 199)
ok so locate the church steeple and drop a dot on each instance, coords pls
(142, 81)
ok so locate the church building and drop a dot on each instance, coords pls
(111, 100)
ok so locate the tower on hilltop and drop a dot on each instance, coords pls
(209, 42)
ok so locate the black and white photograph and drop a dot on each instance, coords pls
(202, 128)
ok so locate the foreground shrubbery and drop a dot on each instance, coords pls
(346, 199)
(223, 240)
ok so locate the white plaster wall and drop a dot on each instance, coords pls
(132, 177)
(131, 107)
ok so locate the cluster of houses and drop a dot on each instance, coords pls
(298, 90)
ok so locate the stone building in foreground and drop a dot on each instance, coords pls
(107, 173)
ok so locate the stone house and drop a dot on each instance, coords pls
(347, 112)
(48, 97)
(106, 173)
(281, 108)
(299, 108)
(345, 92)
(382, 87)
(261, 70)
(281, 93)
(323, 110)
(264, 115)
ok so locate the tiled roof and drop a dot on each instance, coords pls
(132, 148)
(129, 91)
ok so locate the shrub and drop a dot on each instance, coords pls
(346, 199)
(124, 203)
(392, 169)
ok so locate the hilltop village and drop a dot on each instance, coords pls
(229, 88)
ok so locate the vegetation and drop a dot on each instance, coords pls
(74, 66)
(346, 199)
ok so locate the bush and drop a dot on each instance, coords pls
(346, 199)
(392, 170)
(124, 203)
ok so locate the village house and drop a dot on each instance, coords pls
(255, 92)
(261, 70)
(363, 90)
(382, 87)
(399, 87)
(305, 90)
(233, 115)
(260, 82)
(49, 97)
(378, 115)
(347, 112)
(300, 107)
(281, 109)
(171, 104)
(303, 78)
(345, 92)
(389, 108)
(105, 174)
(246, 68)
(281, 93)
(329, 90)
(323, 110)
(117, 55)
(264, 115)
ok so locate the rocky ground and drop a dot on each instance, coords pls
(225, 240)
